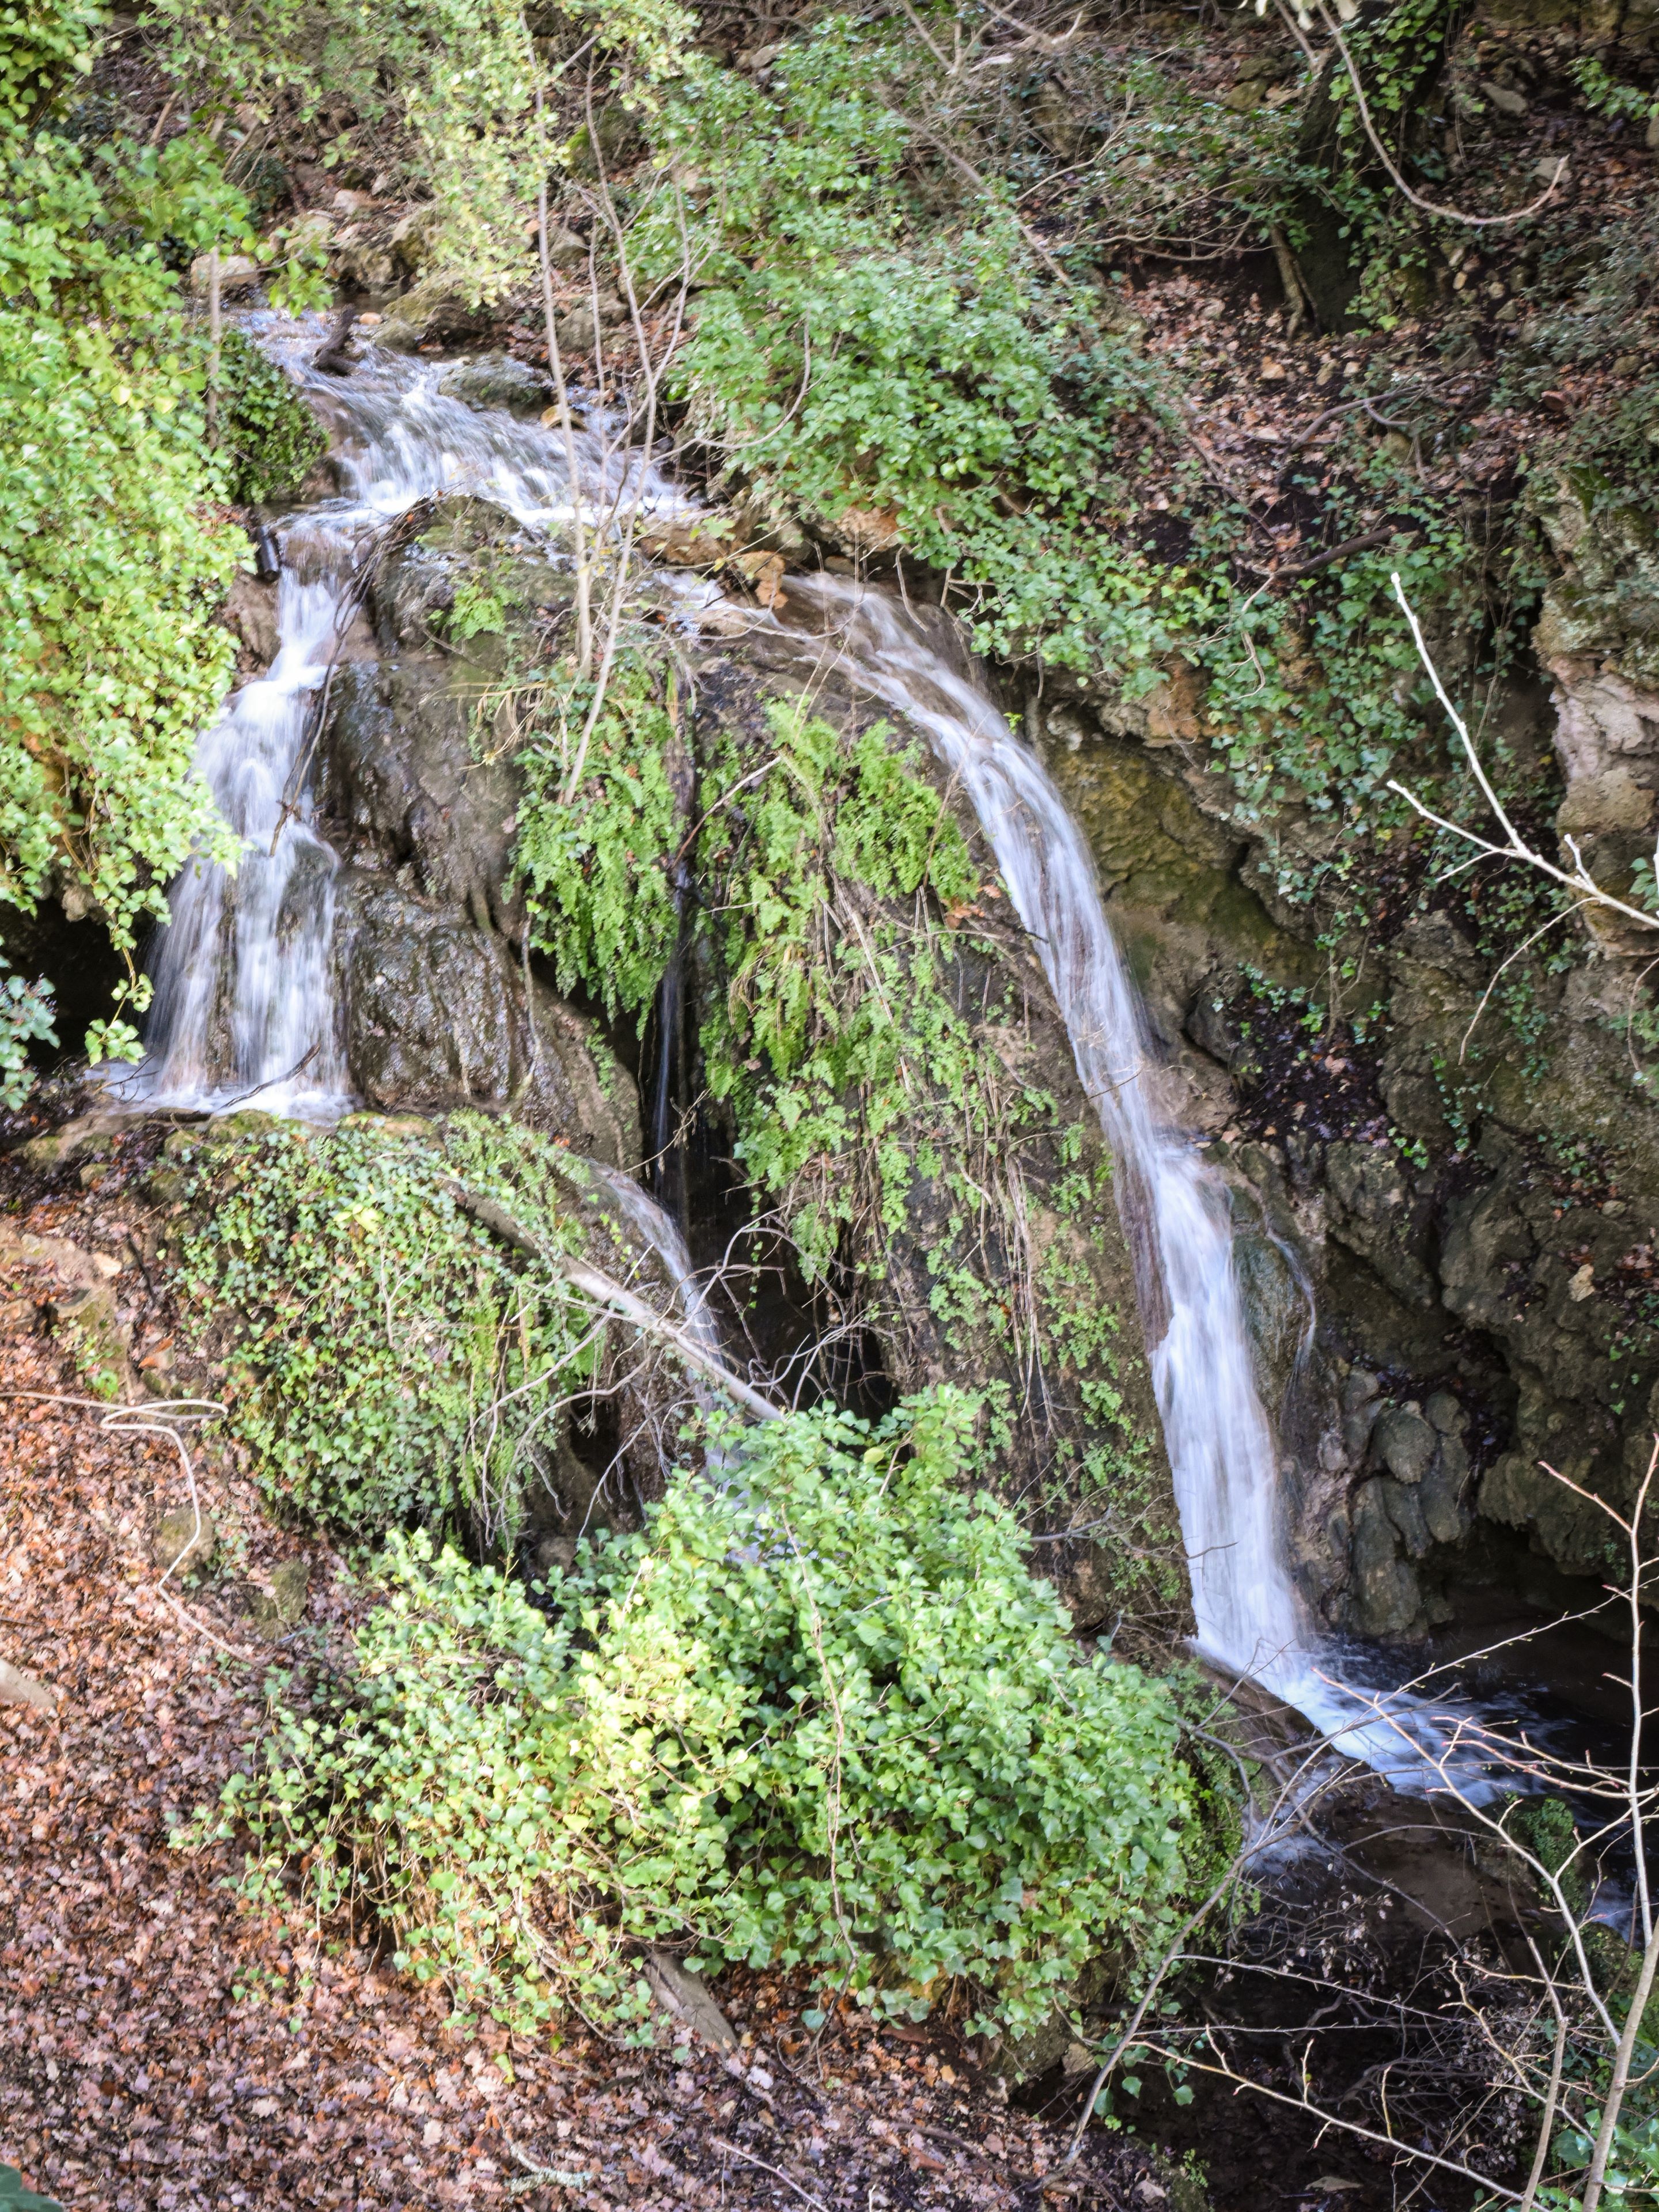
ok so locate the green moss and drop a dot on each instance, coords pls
(389, 1363)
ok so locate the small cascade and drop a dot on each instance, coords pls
(246, 992)
(244, 1006)
(660, 1233)
(1221, 1446)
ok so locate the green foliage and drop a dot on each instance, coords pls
(111, 557)
(390, 1362)
(268, 437)
(25, 1016)
(836, 1019)
(600, 867)
(1633, 2170)
(817, 1714)
(14, 2198)
(1604, 95)
(931, 375)
(436, 96)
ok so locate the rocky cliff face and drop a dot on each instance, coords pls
(444, 1007)
(1446, 1233)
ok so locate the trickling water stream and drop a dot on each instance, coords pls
(247, 997)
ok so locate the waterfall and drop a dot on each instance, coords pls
(245, 996)
(245, 974)
(1223, 1457)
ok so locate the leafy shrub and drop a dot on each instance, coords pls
(268, 437)
(598, 869)
(859, 356)
(113, 555)
(25, 1016)
(390, 1362)
(817, 1714)
(825, 868)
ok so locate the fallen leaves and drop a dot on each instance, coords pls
(164, 2048)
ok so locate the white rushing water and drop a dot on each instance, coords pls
(1223, 1456)
(246, 995)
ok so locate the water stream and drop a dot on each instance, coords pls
(246, 1003)
(1223, 1453)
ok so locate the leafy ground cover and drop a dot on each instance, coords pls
(163, 2047)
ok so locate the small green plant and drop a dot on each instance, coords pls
(390, 1362)
(27, 1013)
(599, 865)
(14, 2198)
(817, 1714)
(268, 437)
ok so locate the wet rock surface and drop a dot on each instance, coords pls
(440, 1014)
(1480, 1230)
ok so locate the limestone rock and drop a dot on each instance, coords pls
(434, 310)
(1373, 1213)
(238, 273)
(17, 1688)
(495, 379)
(1385, 1601)
(411, 241)
(89, 1325)
(1406, 1444)
(290, 1586)
(70, 1141)
(180, 1546)
(250, 612)
(1440, 1493)
(437, 1019)
(686, 1996)
(1405, 1510)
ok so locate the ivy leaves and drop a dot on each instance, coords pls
(390, 1363)
(821, 1714)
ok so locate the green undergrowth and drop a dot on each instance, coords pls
(268, 437)
(860, 1023)
(819, 1716)
(388, 1361)
(597, 866)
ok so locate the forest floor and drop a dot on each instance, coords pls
(163, 2044)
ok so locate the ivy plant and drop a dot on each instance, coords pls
(816, 1716)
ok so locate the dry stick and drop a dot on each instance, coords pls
(604, 1290)
(776, 2172)
(1633, 1787)
(1429, 207)
(1638, 2003)
(213, 346)
(561, 395)
(1621, 2082)
(619, 588)
(148, 1421)
(1553, 2097)
(1518, 848)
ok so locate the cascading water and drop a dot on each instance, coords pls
(1221, 1447)
(245, 995)
(245, 999)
